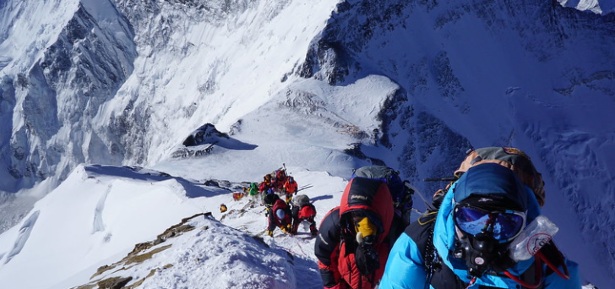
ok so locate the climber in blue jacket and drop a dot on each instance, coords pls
(466, 242)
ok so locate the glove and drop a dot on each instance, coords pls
(366, 259)
(286, 229)
(270, 233)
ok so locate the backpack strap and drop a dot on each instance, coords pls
(421, 229)
(421, 232)
(430, 256)
(535, 275)
(554, 259)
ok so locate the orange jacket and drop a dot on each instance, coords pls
(290, 187)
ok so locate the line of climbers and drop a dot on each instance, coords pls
(288, 218)
(285, 214)
(484, 230)
(278, 182)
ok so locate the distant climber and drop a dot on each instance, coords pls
(303, 211)
(266, 185)
(290, 188)
(253, 192)
(278, 214)
(278, 179)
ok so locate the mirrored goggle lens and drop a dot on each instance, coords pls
(501, 226)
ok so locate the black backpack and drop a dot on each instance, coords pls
(401, 191)
(270, 199)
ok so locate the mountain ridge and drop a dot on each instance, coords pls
(436, 78)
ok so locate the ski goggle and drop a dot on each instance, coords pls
(501, 226)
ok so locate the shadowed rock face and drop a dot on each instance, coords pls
(203, 140)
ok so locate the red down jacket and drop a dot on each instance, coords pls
(335, 245)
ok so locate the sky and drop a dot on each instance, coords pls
(97, 215)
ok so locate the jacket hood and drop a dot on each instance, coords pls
(371, 195)
(492, 180)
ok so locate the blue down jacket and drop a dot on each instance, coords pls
(405, 267)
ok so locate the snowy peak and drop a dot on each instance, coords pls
(58, 87)
(17, 18)
(598, 7)
(100, 84)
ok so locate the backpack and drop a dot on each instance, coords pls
(307, 211)
(280, 175)
(512, 158)
(300, 200)
(400, 192)
(286, 215)
(270, 199)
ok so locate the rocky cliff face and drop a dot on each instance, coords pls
(58, 107)
(488, 67)
(54, 101)
(485, 49)
(62, 97)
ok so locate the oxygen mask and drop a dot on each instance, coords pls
(485, 235)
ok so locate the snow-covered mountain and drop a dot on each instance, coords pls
(598, 7)
(324, 87)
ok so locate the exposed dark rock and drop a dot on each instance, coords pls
(139, 254)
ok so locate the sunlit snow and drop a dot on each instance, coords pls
(239, 71)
